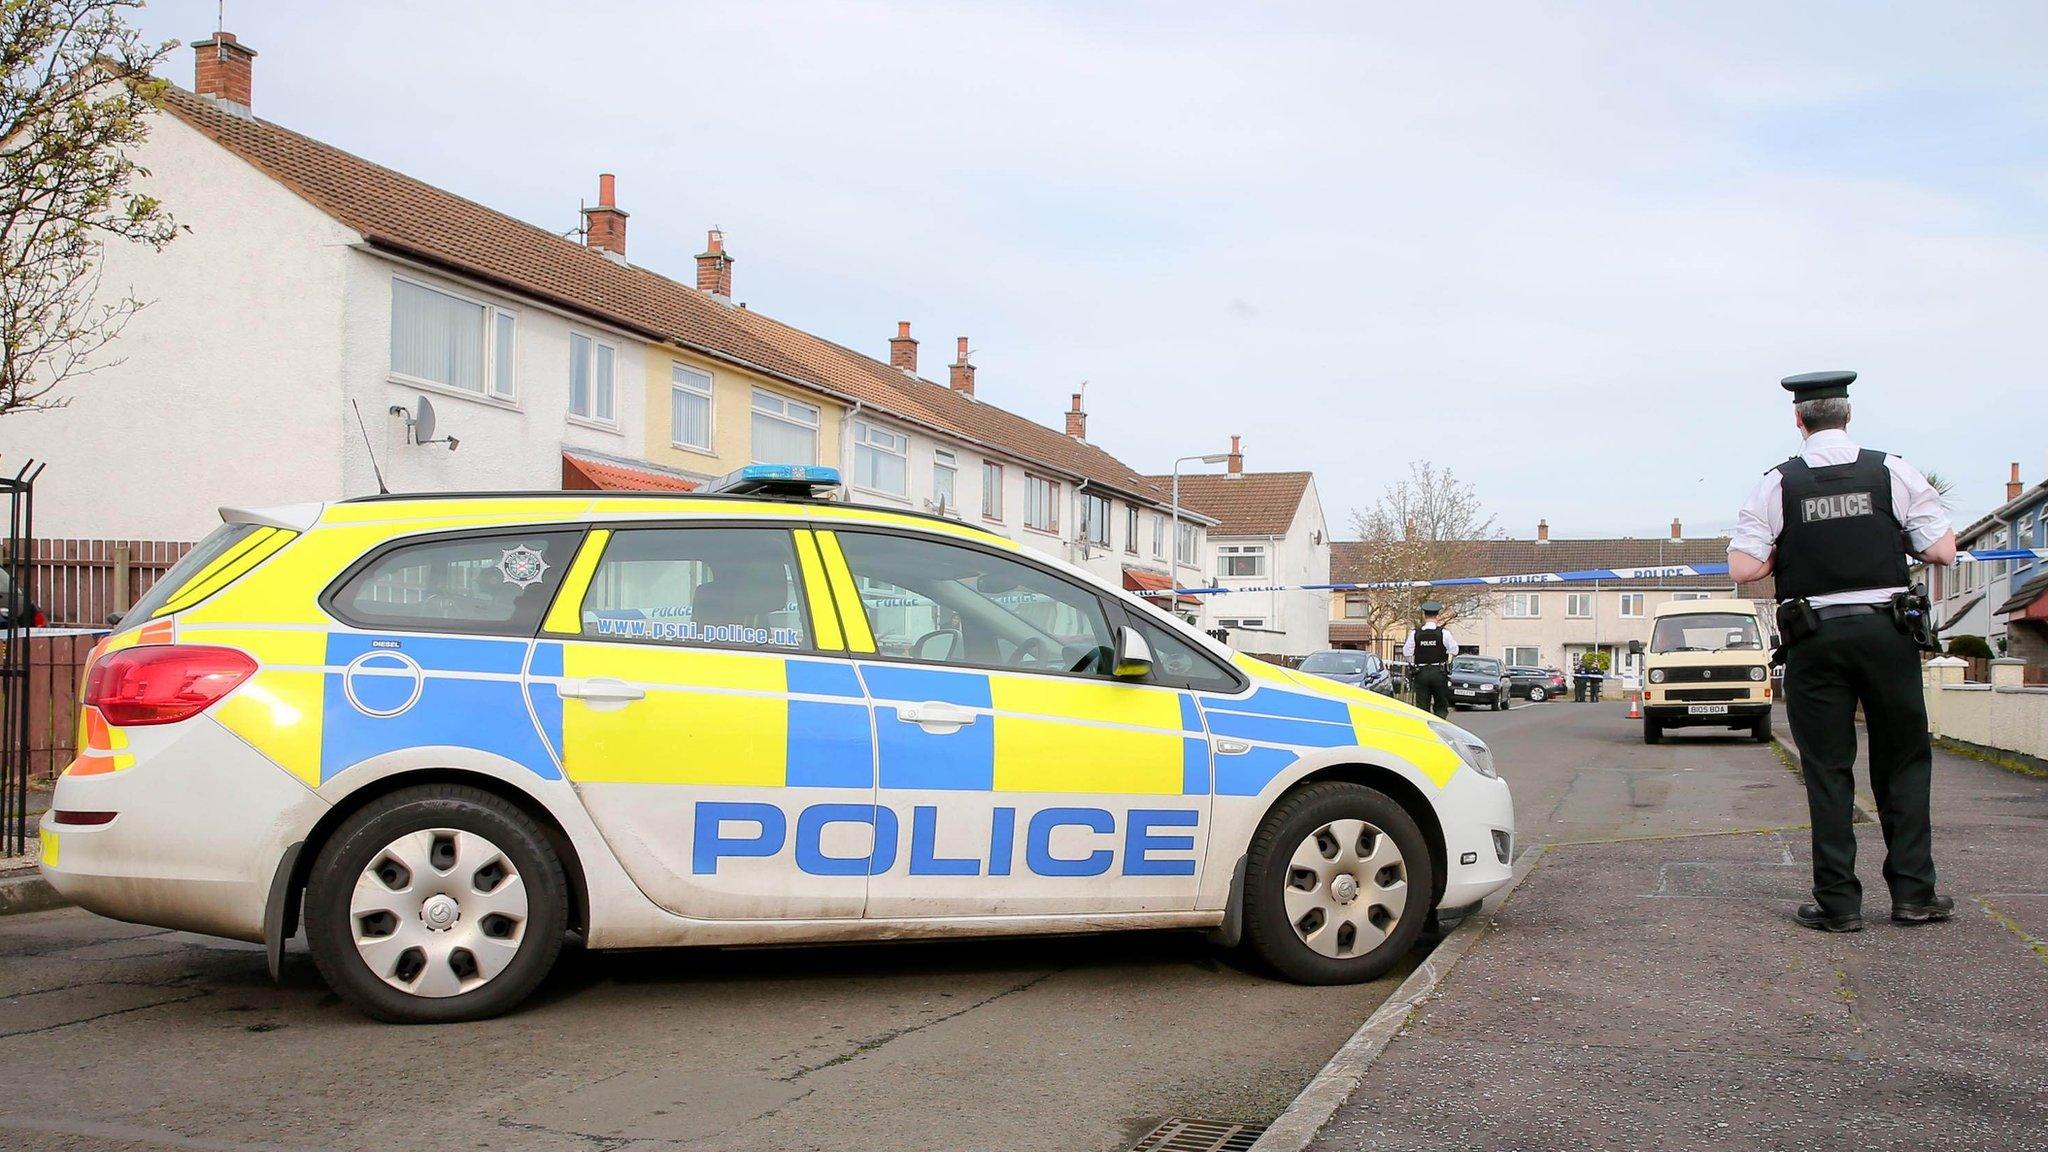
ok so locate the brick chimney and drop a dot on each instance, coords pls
(903, 349)
(1677, 530)
(2013, 485)
(714, 266)
(1077, 420)
(604, 227)
(960, 374)
(1542, 531)
(222, 68)
(1236, 462)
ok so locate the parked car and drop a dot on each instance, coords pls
(446, 731)
(16, 609)
(1535, 684)
(1348, 666)
(1479, 682)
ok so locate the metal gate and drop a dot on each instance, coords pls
(16, 617)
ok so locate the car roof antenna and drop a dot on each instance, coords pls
(374, 470)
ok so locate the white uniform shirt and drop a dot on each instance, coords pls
(1408, 646)
(1914, 502)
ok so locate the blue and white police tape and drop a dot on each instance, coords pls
(1581, 576)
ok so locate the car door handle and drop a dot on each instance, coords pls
(601, 692)
(936, 716)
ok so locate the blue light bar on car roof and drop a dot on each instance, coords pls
(777, 480)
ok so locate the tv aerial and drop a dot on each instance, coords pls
(419, 424)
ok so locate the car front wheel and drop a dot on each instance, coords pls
(436, 904)
(1338, 885)
(1537, 695)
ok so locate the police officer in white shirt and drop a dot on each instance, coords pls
(1428, 650)
(1836, 524)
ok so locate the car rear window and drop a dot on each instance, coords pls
(203, 554)
(494, 584)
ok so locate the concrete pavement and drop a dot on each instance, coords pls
(1645, 987)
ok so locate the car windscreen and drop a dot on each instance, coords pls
(1706, 632)
(1476, 664)
(1338, 663)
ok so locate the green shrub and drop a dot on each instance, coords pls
(1967, 645)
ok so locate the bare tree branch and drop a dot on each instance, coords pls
(1425, 527)
(76, 91)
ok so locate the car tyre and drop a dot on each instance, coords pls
(454, 894)
(1500, 701)
(1761, 730)
(1325, 869)
(1537, 695)
(1653, 732)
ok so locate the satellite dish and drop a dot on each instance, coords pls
(423, 421)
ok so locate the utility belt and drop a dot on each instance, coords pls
(1911, 611)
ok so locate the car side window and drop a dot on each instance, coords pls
(1179, 664)
(949, 604)
(728, 587)
(496, 584)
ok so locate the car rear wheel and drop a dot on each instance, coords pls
(436, 904)
(1339, 885)
(1537, 695)
(1761, 730)
(1653, 732)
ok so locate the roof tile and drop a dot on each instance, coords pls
(1244, 503)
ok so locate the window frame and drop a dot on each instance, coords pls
(755, 411)
(598, 346)
(329, 596)
(1052, 503)
(1641, 602)
(1131, 529)
(1521, 606)
(492, 312)
(710, 397)
(947, 504)
(1085, 502)
(1363, 605)
(992, 494)
(803, 597)
(1188, 532)
(1586, 598)
(1158, 536)
(1260, 552)
(859, 432)
(1511, 663)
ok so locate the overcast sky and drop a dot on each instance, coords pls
(1564, 250)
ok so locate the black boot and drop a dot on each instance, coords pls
(1926, 912)
(1812, 916)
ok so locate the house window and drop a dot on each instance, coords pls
(1041, 504)
(1578, 605)
(1131, 529)
(881, 459)
(1241, 622)
(592, 390)
(1095, 512)
(1357, 608)
(991, 491)
(1523, 655)
(1692, 595)
(1999, 567)
(785, 432)
(1521, 606)
(452, 341)
(1184, 546)
(943, 471)
(1631, 605)
(1240, 560)
(1158, 536)
(689, 407)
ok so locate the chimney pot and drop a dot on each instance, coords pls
(903, 349)
(714, 266)
(1542, 530)
(960, 374)
(604, 227)
(1236, 462)
(1077, 420)
(222, 70)
(1677, 530)
(2013, 486)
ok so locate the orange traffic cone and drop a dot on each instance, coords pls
(1635, 708)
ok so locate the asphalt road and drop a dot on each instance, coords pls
(114, 1036)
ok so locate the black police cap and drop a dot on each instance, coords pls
(1431, 608)
(1818, 385)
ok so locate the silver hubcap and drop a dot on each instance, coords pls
(438, 912)
(1347, 888)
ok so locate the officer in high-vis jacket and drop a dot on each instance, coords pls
(1836, 525)
(1429, 649)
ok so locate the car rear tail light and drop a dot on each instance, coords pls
(75, 816)
(163, 684)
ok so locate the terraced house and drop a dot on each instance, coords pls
(319, 302)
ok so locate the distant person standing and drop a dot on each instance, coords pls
(1836, 524)
(1428, 650)
(1582, 682)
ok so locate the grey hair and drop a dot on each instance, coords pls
(1821, 415)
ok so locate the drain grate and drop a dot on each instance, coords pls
(1180, 1134)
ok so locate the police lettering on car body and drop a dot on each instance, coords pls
(442, 732)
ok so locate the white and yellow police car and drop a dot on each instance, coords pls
(444, 731)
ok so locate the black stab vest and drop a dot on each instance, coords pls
(1429, 647)
(1840, 532)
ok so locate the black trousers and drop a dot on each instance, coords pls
(1862, 659)
(1433, 689)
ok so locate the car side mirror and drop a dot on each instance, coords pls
(1635, 647)
(1133, 655)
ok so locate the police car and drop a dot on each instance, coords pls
(441, 732)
